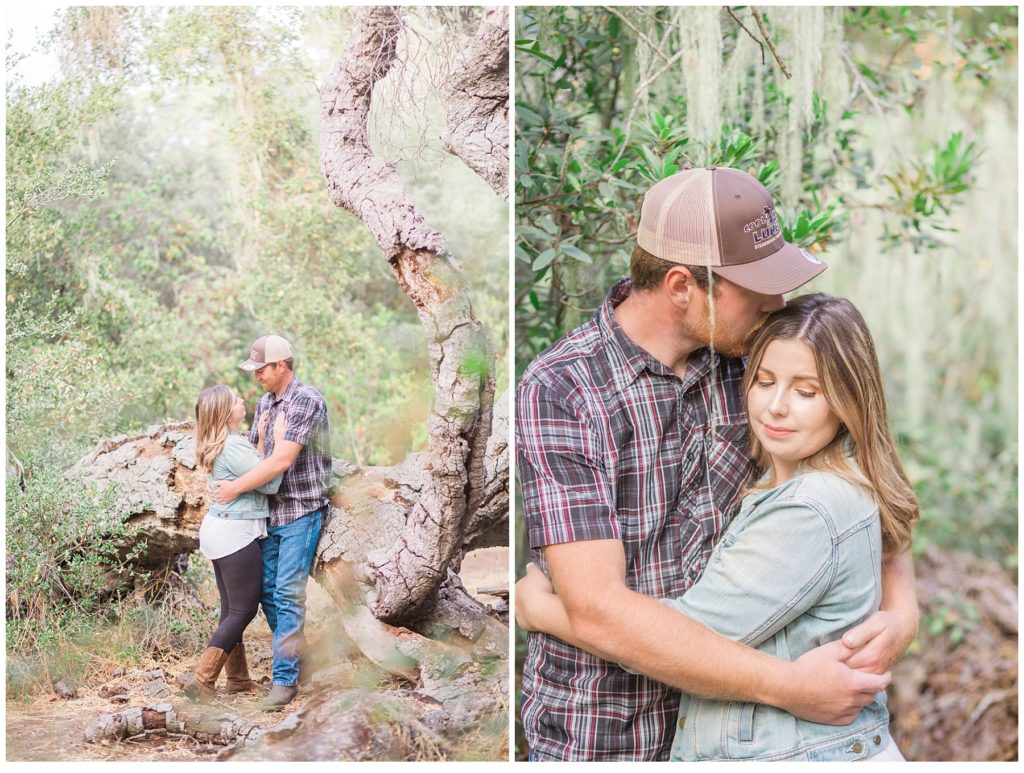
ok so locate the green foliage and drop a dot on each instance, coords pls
(165, 207)
(199, 129)
(925, 191)
(903, 145)
(580, 178)
(952, 616)
(585, 154)
(67, 552)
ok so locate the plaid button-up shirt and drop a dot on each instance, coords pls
(304, 486)
(612, 444)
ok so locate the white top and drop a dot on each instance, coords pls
(219, 537)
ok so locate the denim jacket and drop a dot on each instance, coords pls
(236, 458)
(798, 566)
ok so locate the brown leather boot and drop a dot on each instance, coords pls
(199, 684)
(237, 672)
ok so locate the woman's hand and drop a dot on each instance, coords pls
(529, 590)
(279, 429)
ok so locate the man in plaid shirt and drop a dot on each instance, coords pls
(632, 450)
(298, 507)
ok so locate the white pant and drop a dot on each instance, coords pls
(890, 753)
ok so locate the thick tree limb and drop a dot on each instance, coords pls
(161, 491)
(476, 102)
(407, 572)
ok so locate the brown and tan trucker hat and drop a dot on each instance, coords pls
(724, 219)
(265, 350)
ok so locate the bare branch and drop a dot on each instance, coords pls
(636, 31)
(768, 40)
(744, 28)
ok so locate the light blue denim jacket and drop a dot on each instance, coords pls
(236, 458)
(798, 566)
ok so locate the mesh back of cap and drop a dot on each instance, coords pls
(677, 220)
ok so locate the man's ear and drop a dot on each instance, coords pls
(679, 286)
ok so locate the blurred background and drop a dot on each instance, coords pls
(164, 208)
(888, 137)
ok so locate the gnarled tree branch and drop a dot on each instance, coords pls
(409, 571)
(476, 102)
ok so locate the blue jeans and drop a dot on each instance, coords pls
(287, 558)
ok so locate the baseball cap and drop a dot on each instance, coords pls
(724, 219)
(265, 350)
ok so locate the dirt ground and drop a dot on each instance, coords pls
(52, 728)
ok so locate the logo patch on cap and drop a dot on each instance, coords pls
(810, 257)
(764, 229)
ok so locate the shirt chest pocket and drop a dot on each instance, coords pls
(728, 466)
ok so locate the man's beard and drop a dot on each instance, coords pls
(726, 341)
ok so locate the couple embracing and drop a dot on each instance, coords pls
(719, 521)
(268, 498)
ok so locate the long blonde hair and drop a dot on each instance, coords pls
(851, 383)
(213, 409)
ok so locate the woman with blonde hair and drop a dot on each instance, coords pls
(228, 537)
(800, 563)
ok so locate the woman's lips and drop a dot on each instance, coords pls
(777, 432)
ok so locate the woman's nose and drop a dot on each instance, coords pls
(779, 405)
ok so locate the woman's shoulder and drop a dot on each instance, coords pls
(236, 448)
(838, 497)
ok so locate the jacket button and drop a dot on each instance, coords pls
(877, 740)
(682, 722)
(857, 748)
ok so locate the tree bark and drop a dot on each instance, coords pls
(449, 480)
(476, 102)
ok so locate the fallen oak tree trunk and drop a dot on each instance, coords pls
(453, 658)
(162, 494)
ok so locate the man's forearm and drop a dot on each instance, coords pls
(638, 632)
(266, 470)
(899, 594)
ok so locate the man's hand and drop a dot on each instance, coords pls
(279, 425)
(533, 583)
(827, 690)
(224, 491)
(883, 637)
(878, 642)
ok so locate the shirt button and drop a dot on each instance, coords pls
(877, 740)
(682, 722)
(857, 748)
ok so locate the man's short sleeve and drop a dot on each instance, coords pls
(303, 414)
(567, 496)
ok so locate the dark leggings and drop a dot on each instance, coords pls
(240, 582)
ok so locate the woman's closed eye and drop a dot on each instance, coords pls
(806, 393)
